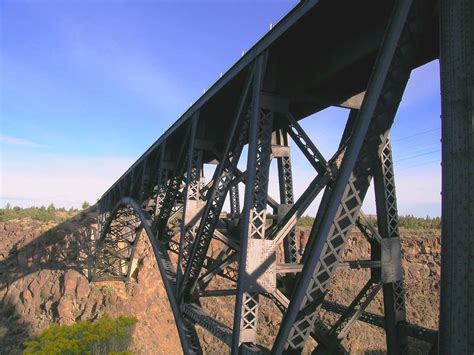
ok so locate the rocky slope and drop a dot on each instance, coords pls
(43, 279)
(43, 270)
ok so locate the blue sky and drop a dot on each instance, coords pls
(87, 86)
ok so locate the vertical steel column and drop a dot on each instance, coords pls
(254, 214)
(192, 198)
(392, 272)
(161, 183)
(152, 164)
(456, 332)
(234, 199)
(172, 191)
(115, 248)
(341, 209)
(285, 179)
(145, 181)
(234, 202)
(222, 179)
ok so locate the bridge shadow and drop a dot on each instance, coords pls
(69, 245)
(14, 329)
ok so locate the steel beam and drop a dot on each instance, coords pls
(390, 253)
(285, 179)
(428, 335)
(457, 231)
(128, 208)
(306, 145)
(351, 264)
(342, 326)
(234, 202)
(197, 315)
(172, 191)
(253, 215)
(347, 194)
(192, 201)
(245, 244)
(222, 178)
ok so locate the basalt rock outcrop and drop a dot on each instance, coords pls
(43, 279)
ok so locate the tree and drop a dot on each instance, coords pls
(51, 208)
(104, 336)
(85, 205)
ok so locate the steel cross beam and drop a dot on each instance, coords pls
(115, 253)
(172, 191)
(342, 326)
(163, 175)
(265, 116)
(216, 196)
(383, 95)
(116, 245)
(192, 201)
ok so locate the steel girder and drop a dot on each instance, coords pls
(340, 209)
(165, 197)
(285, 180)
(253, 216)
(128, 214)
(192, 201)
(457, 242)
(222, 178)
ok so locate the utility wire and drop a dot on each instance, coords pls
(418, 155)
(416, 135)
(404, 168)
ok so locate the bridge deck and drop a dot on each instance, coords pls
(321, 54)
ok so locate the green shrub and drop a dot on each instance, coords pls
(415, 223)
(104, 336)
(412, 222)
(38, 213)
(306, 221)
(408, 222)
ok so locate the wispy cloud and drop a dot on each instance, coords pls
(65, 180)
(19, 141)
(131, 68)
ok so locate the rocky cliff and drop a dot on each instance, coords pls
(43, 270)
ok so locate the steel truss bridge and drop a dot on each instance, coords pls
(354, 54)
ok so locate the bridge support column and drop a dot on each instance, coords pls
(173, 191)
(192, 202)
(389, 249)
(341, 204)
(116, 246)
(253, 246)
(456, 325)
(281, 150)
(222, 180)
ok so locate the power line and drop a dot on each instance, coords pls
(418, 155)
(417, 134)
(403, 168)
